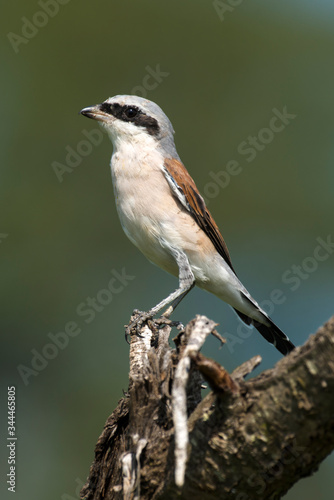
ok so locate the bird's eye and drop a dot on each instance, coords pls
(131, 112)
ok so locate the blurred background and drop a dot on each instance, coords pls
(221, 74)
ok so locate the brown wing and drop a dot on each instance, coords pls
(184, 188)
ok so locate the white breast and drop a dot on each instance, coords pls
(140, 190)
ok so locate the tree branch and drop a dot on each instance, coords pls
(244, 441)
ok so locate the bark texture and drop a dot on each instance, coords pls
(246, 440)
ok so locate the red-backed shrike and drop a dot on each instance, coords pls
(164, 215)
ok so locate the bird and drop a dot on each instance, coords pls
(163, 214)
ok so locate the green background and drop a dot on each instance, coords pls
(60, 241)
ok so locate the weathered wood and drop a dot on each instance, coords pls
(247, 440)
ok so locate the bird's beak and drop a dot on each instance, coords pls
(95, 113)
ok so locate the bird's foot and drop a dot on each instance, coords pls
(165, 321)
(138, 318)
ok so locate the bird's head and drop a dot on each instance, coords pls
(129, 118)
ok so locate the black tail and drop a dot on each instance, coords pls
(275, 336)
(270, 332)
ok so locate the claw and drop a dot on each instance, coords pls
(163, 321)
(137, 323)
(140, 317)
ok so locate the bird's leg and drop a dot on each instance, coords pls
(186, 283)
(176, 302)
(164, 320)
